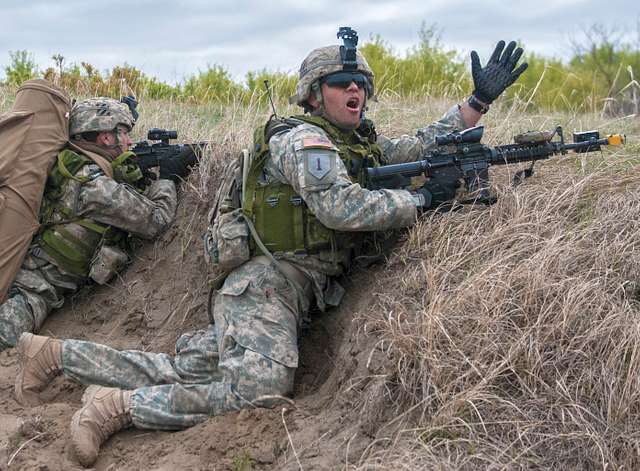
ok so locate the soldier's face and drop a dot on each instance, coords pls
(343, 106)
(123, 138)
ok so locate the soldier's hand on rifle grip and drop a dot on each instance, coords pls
(498, 74)
(436, 191)
(423, 198)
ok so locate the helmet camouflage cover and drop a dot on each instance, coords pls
(99, 114)
(320, 63)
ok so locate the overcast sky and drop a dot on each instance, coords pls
(172, 40)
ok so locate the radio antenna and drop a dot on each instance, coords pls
(273, 107)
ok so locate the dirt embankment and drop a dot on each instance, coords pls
(161, 295)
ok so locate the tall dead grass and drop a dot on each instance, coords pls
(513, 331)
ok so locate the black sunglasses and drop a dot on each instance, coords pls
(344, 79)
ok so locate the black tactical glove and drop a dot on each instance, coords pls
(494, 78)
(437, 191)
(178, 167)
(423, 198)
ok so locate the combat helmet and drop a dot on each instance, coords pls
(329, 59)
(99, 114)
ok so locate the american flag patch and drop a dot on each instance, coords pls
(317, 142)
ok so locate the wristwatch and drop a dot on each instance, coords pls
(477, 105)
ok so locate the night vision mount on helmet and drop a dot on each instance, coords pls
(331, 59)
(348, 50)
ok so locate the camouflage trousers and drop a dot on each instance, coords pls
(38, 288)
(249, 354)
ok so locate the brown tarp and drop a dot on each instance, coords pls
(31, 135)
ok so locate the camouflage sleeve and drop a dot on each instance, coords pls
(307, 160)
(409, 149)
(144, 215)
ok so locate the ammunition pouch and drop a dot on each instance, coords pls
(285, 224)
(227, 240)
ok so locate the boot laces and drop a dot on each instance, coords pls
(108, 424)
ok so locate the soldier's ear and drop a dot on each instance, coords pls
(104, 138)
(315, 97)
(313, 102)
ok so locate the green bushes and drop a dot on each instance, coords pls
(282, 85)
(22, 68)
(214, 84)
(426, 69)
(599, 77)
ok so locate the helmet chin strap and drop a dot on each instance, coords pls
(364, 108)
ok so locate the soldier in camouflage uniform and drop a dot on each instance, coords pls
(307, 201)
(89, 206)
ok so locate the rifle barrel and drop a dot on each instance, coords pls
(514, 153)
(410, 169)
(475, 154)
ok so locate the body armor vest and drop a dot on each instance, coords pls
(70, 240)
(280, 216)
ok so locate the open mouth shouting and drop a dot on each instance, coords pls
(353, 104)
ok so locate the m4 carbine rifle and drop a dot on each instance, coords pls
(460, 155)
(163, 153)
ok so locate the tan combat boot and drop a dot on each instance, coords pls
(105, 411)
(40, 360)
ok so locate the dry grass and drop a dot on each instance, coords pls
(513, 331)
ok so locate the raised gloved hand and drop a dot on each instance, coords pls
(437, 191)
(498, 74)
(179, 166)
